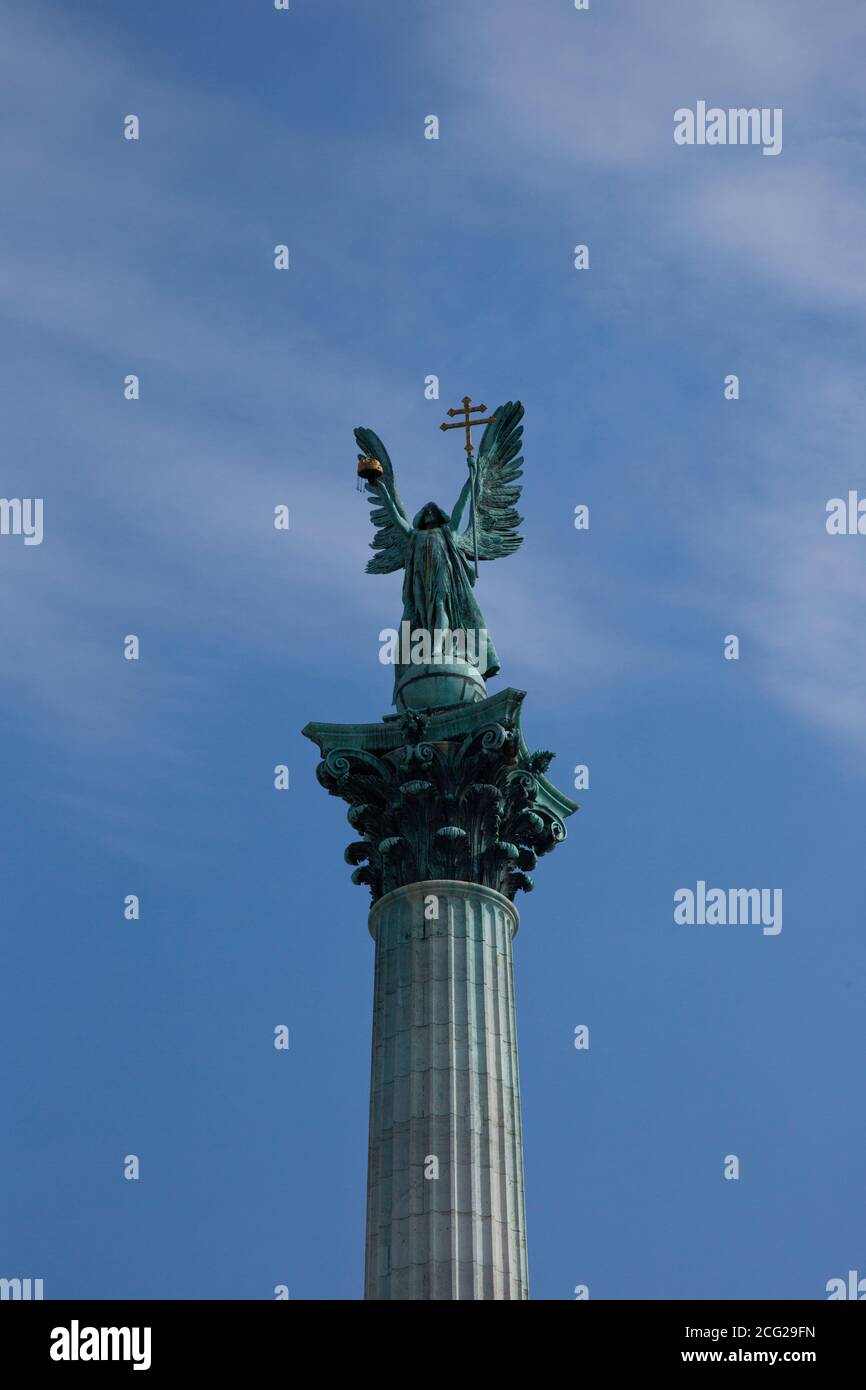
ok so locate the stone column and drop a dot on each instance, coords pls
(445, 1098)
(447, 805)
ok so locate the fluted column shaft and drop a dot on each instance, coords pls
(445, 1194)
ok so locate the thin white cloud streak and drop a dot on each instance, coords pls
(565, 97)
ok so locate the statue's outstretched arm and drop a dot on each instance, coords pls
(394, 513)
(460, 504)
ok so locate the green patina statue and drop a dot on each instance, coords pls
(446, 788)
(438, 585)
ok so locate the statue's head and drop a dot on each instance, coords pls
(429, 517)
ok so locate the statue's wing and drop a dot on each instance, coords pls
(389, 540)
(497, 490)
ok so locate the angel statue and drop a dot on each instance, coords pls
(440, 563)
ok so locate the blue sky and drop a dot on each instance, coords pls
(411, 257)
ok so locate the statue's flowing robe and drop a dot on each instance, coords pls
(438, 591)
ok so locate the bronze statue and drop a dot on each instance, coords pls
(439, 581)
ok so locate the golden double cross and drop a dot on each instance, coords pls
(467, 422)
